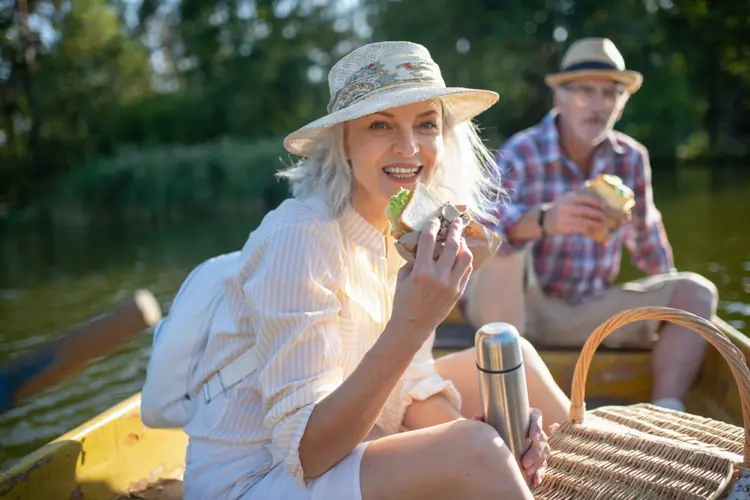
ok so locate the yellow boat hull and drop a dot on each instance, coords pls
(111, 454)
(115, 454)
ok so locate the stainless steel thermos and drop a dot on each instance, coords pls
(502, 384)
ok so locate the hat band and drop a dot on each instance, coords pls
(393, 72)
(584, 65)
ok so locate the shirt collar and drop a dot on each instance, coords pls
(550, 145)
(356, 228)
(614, 143)
(353, 225)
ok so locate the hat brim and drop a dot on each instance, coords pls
(631, 79)
(466, 104)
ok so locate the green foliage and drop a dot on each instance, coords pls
(78, 83)
(713, 37)
(227, 69)
(166, 182)
(510, 48)
(55, 110)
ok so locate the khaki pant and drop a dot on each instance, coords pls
(553, 322)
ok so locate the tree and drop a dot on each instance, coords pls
(509, 47)
(55, 111)
(245, 69)
(713, 39)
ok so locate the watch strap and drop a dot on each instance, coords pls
(542, 216)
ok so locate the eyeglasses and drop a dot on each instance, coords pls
(585, 94)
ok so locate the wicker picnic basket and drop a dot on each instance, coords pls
(645, 452)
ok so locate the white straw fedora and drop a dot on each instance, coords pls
(385, 75)
(595, 58)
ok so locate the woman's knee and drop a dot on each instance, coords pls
(533, 362)
(473, 436)
(483, 456)
(460, 459)
(692, 290)
(528, 351)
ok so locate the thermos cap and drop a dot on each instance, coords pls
(498, 347)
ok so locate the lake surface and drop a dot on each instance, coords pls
(53, 279)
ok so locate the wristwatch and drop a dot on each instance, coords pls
(542, 215)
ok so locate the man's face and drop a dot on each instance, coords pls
(590, 107)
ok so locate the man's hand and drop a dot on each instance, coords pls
(575, 213)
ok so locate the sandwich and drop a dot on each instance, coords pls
(618, 200)
(410, 210)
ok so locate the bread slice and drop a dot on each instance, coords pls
(613, 191)
(618, 199)
(421, 207)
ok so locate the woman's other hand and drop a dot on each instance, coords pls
(534, 461)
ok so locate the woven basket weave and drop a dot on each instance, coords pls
(641, 451)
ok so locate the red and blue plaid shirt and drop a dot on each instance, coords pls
(534, 170)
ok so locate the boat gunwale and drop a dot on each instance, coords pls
(740, 340)
(131, 406)
(126, 407)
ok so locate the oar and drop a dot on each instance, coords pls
(70, 352)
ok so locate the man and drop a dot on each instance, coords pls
(553, 282)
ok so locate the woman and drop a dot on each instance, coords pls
(347, 402)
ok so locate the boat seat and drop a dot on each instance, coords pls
(458, 336)
(165, 489)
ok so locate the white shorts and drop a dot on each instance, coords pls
(223, 471)
(341, 482)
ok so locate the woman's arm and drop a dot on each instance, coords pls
(425, 294)
(376, 432)
(315, 416)
(343, 418)
(424, 398)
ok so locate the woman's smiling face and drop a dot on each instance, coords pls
(392, 149)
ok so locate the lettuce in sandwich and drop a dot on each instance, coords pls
(408, 212)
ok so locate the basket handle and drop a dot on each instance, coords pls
(705, 328)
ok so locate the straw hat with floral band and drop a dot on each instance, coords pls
(385, 75)
(595, 58)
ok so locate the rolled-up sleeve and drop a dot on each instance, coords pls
(419, 382)
(295, 304)
(508, 209)
(645, 237)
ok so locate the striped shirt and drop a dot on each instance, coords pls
(534, 170)
(314, 294)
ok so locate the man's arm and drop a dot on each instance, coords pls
(645, 237)
(520, 223)
(516, 221)
(527, 228)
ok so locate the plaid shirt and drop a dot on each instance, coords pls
(534, 170)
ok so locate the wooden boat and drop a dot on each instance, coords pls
(114, 456)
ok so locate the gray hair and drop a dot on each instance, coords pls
(464, 173)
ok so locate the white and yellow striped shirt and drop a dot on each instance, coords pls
(314, 294)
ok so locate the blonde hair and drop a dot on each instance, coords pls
(464, 175)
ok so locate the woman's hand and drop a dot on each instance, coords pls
(428, 289)
(534, 461)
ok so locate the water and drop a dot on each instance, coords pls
(51, 280)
